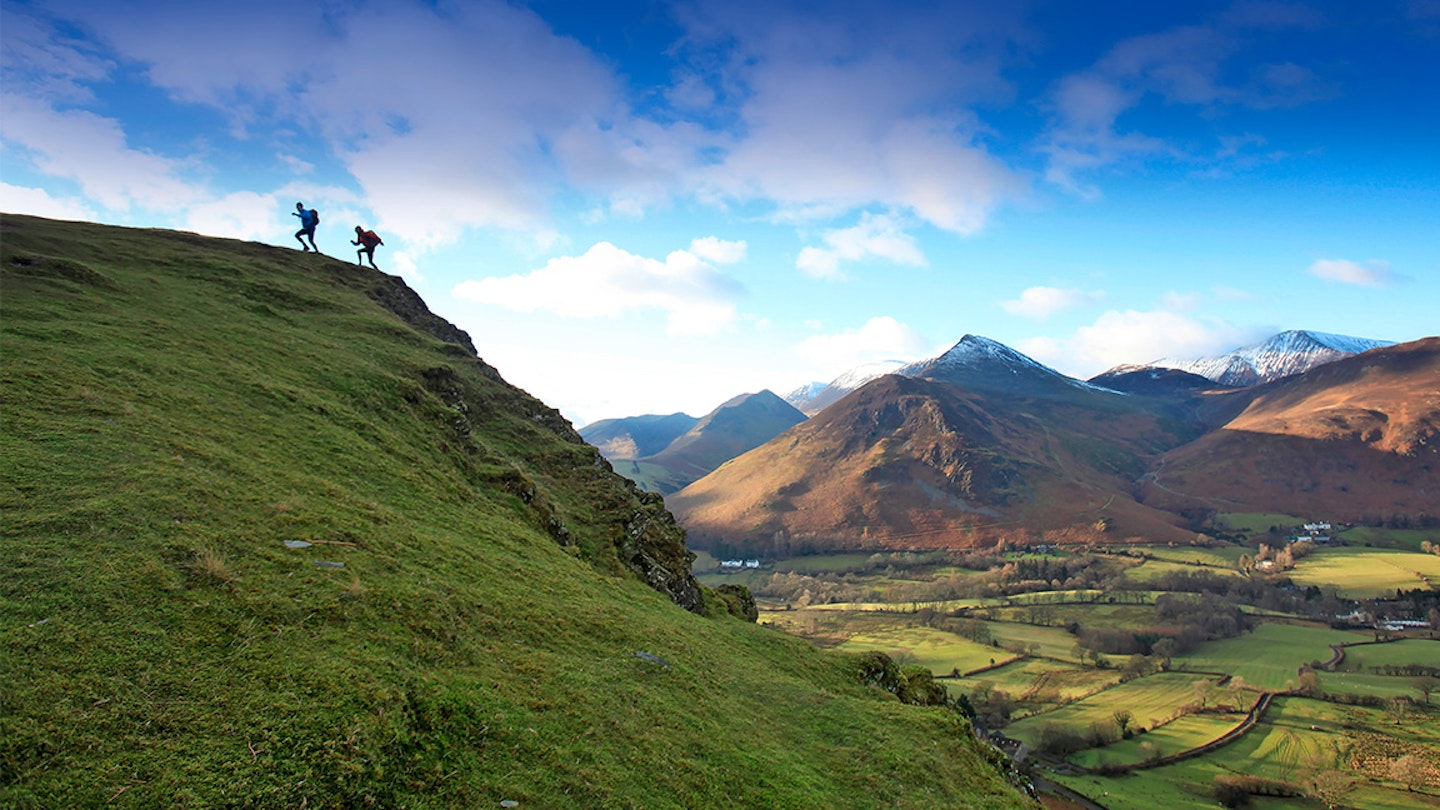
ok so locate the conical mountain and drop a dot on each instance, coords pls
(914, 462)
(980, 364)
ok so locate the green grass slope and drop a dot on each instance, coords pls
(175, 408)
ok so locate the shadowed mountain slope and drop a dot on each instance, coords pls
(1350, 438)
(736, 426)
(634, 437)
(275, 537)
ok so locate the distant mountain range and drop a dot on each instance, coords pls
(689, 448)
(983, 442)
(1283, 355)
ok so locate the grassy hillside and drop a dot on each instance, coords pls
(464, 627)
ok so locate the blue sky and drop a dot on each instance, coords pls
(649, 207)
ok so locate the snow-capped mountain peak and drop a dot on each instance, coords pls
(1283, 355)
(974, 352)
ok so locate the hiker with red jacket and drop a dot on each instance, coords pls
(368, 241)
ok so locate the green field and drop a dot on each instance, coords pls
(1254, 523)
(1182, 734)
(1151, 570)
(1152, 701)
(1364, 657)
(1403, 539)
(1362, 573)
(1040, 679)
(1097, 615)
(1268, 657)
(1296, 740)
(936, 650)
(1046, 642)
(1216, 556)
(1360, 683)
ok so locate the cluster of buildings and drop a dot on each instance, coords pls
(739, 563)
(1318, 533)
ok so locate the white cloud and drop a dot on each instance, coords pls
(471, 115)
(866, 107)
(718, 250)
(480, 115)
(609, 282)
(92, 150)
(880, 338)
(37, 202)
(1373, 273)
(1131, 336)
(242, 215)
(878, 236)
(1042, 302)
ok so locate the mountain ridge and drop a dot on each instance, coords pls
(1067, 463)
(1281, 355)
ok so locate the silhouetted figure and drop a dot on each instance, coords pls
(308, 221)
(368, 241)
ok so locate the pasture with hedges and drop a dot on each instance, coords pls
(1129, 663)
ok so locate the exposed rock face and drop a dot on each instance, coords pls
(392, 293)
(654, 548)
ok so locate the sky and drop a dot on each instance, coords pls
(651, 207)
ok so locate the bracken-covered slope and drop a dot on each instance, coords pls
(274, 536)
(907, 462)
(1348, 439)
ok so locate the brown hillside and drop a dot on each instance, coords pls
(1348, 439)
(905, 462)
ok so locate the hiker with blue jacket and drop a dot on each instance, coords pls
(308, 221)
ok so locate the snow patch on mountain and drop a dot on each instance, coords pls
(1283, 355)
(981, 354)
(814, 397)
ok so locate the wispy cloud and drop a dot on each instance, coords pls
(1185, 66)
(1042, 302)
(1373, 273)
(876, 235)
(609, 282)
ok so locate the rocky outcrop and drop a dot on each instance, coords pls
(648, 542)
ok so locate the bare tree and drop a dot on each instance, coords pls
(1425, 684)
(1409, 771)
